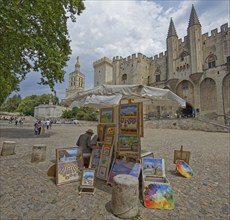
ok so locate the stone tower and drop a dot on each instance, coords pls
(195, 42)
(172, 48)
(103, 70)
(76, 80)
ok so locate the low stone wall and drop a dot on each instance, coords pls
(186, 124)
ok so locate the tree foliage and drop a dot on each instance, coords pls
(11, 104)
(81, 113)
(34, 37)
(27, 105)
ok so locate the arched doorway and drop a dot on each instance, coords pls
(208, 96)
(185, 90)
(226, 97)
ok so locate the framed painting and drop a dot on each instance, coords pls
(106, 115)
(102, 172)
(88, 178)
(105, 161)
(153, 167)
(129, 146)
(95, 158)
(158, 195)
(106, 151)
(101, 131)
(129, 118)
(69, 165)
(110, 130)
(123, 167)
(108, 140)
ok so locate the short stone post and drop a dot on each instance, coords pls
(125, 195)
(8, 148)
(39, 153)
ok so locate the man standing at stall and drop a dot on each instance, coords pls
(84, 141)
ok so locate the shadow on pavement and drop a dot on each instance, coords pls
(21, 132)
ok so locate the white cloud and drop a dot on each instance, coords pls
(121, 28)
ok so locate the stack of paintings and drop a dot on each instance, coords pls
(69, 165)
(157, 192)
(106, 153)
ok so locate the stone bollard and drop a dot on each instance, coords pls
(8, 148)
(125, 195)
(39, 153)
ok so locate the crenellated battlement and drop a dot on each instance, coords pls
(214, 33)
(102, 60)
(160, 56)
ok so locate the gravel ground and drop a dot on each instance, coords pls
(26, 192)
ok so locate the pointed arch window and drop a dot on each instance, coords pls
(158, 74)
(211, 60)
(124, 77)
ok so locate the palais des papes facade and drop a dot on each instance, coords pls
(196, 68)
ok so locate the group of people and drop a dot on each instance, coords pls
(41, 126)
(87, 143)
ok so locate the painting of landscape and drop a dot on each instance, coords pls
(69, 160)
(106, 115)
(88, 176)
(153, 166)
(129, 145)
(123, 167)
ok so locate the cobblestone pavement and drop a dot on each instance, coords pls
(26, 192)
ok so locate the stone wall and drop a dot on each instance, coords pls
(186, 124)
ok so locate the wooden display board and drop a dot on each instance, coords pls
(69, 165)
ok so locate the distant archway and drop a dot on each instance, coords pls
(185, 90)
(226, 95)
(208, 96)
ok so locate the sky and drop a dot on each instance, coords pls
(109, 28)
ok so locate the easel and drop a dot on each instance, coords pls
(181, 155)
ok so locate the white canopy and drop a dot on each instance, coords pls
(107, 95)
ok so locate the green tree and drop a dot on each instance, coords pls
(81, 113)
(11, 104)
(27, 105)
(34, 37)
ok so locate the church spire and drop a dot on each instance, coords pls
(77, 65)
(193, 18)
(172, 30)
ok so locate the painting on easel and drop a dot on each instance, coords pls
(87, 181)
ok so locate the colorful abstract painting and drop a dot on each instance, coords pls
(158, 195)
(129, 145)
(184, 169)
(69, 160)
(153, 166)
(123, 167)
